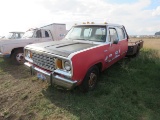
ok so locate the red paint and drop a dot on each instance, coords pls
(84, 60)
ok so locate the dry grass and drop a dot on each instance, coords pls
(149, 43)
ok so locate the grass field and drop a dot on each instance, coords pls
(128, 90)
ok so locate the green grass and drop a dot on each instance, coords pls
(128, 90)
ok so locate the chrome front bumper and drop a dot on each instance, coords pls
(53, 78)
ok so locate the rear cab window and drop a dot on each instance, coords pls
(121, 33)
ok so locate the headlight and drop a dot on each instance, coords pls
(28, 54)
(61, 64)
(67, 66)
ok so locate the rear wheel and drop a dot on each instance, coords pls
(18, 57)
(90, 81)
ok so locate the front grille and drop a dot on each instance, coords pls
(43, 60)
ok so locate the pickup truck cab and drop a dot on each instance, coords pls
(78, 59)
(14, 35)
(13, 48)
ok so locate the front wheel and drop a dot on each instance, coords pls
(90, 81)
(18, 57)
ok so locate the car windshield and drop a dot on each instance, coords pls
(28, 34)
(87, 33)
(9, 36)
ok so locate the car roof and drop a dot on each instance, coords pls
(16, 32)
(108, 24)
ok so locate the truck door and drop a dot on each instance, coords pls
(123, 41)
(46, 36)
(37, 36)
(112, 51)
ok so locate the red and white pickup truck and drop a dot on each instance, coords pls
(78, 59)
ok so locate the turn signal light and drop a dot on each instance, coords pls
(58, 63)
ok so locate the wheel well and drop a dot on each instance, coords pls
(99, 65)
(13, 50)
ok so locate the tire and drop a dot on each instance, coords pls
(18, 57)
(90, 81)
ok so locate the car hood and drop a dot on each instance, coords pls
(62, 48)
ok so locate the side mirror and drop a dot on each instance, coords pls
(115, 41)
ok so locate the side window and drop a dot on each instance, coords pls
(16, 35)
(46, 34)
(121, 33)
(112, 34)
(21, 34)
(38, 34)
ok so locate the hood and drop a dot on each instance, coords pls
(63, 48)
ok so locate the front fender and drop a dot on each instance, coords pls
(83, 61)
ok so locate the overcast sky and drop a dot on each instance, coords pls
(139, 16)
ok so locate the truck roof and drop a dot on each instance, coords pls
(100, 24)
(16, 32)
(53, 24)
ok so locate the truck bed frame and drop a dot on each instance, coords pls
(134, 47)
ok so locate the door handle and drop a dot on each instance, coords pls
(105, 50)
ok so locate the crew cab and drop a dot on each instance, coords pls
(13, 48)
(77, 60)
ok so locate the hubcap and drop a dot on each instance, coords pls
(92, 80)
(20, 57)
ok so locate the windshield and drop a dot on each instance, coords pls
(28, 34)
(9, 36)
(90, 33)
